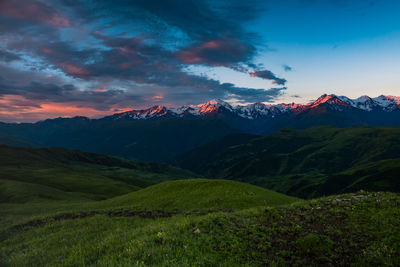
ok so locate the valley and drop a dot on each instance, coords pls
(335, 191)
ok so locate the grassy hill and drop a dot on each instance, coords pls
(352, 229)
(199, 195)
(33, 174)
(181, 196)
(306, 163)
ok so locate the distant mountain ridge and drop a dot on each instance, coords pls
(159, 134)
(261, 110)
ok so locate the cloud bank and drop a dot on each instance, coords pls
(102, 56)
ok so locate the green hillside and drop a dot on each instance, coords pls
(32, 174)
(353, 229)
(199, 195)
(181, 196)
(306, 163)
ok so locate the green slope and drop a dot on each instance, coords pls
(199, 195)
(31, 174)
(208, 152)
(305, 162)
(22, 192)
(182, 196)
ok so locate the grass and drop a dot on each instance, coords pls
(182, 196)
(359, 229)
(199, 195)
(71, 208)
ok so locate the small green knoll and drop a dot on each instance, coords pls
(199, 195)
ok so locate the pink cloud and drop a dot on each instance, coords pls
(17, 108)
(220, 52)
(74, 70)
(34, 12)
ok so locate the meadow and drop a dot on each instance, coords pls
(358, 229)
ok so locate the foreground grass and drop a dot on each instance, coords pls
(353, 229)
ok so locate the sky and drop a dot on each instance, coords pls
(94, 58)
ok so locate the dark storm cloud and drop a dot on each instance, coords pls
(8, 56)
(199, 19)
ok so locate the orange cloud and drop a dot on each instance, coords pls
(17, 108)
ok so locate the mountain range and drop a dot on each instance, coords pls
(260, 110)
(159, 134)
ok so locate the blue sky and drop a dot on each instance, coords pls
(343, 47)
(66, 58)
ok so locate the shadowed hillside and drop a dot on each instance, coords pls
(28, 174)
(306, 163)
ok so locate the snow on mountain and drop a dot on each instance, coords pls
(155, 111)
(388, 103)
(261, 110)
(213, 106)
(330, 99)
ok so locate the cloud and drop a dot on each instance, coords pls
(196, 19)
(35, 17)
(268, 75)
(32, 11)
(287, 68)
(102, 54)
(221, 52)
(6, 56)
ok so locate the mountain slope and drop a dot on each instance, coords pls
(295, 161)
(32, 174)
(142, 140)
(196, 158)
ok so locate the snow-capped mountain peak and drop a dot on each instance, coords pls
(388, 103)
(261, 110)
